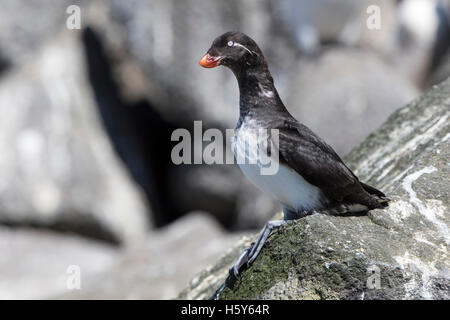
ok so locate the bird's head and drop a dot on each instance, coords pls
(234, 50)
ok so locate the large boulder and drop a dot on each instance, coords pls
(162, 264)
(43, 264)
(58, 166)
(397, 253)
(357, 100)
(223, 190)
(312, 24)
(27, 25)
(40, 264)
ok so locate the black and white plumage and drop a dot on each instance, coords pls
(311, 176)
(301, 151)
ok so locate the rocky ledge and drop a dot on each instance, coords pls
(401, 252)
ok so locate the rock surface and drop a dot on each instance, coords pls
(41, 264)
(38, 264)
(162, 265)
(401, 252)
(361, 89)
(311, 24)
(221, 189)
(58, 166)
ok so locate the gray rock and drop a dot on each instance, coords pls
(224, 191)
(419, 45)
(357, 100)
(403, 40)
(37, 264)
(397, 253)
(26, 25)
(162, 265)
(310, 23)
(211, 188)
(58, 166)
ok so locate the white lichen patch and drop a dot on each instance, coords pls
(438, 207)
(431, 210)
(402, 174)
(400, 210)
(400, 145)
(429, 133)
(413, 264)
(447, 136)
(386, 171)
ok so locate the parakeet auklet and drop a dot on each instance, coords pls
(311, 176)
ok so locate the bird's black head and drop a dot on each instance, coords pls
(234, 50)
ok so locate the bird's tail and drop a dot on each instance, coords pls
(361, 202)
(380, 197)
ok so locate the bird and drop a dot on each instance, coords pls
(310, 176)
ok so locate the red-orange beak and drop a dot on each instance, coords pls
(208, 61)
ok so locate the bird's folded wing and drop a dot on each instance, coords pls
(312, 158)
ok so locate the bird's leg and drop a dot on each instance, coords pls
(250, 254)
(290, 214)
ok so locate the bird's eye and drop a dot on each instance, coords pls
(230, 43)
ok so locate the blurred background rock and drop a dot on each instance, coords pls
(87, 116)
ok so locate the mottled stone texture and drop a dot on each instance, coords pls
(405, 246)
(58, 167)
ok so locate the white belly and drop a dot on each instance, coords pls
(286, 185)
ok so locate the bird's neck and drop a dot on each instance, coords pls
(257, 90)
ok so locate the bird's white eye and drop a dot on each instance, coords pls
(230, 43)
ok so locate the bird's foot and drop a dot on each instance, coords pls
(250, 254)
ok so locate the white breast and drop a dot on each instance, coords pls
(286, 185)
